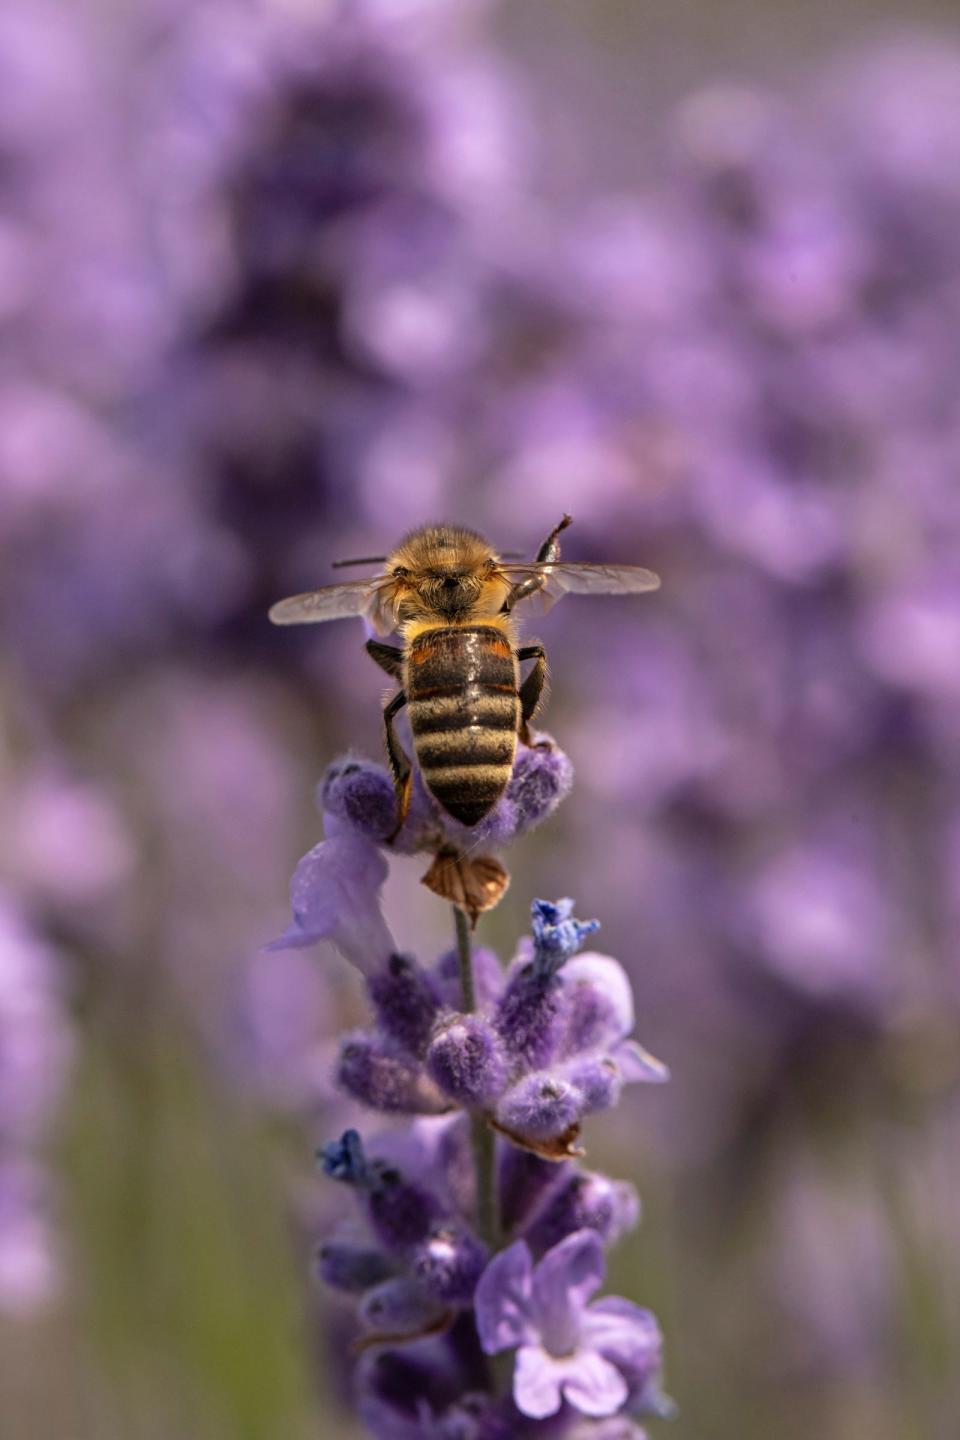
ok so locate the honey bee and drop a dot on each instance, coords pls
(451, 598)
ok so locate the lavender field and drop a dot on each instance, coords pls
(279, 281)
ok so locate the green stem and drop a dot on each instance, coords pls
(484, 1140)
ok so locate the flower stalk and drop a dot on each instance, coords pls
(482, 1136)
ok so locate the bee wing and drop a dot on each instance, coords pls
(336, 602)
(575, 579)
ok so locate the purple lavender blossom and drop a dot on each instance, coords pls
(466, 1060)
(566, 1348)
(440, 1281)
(363, 794)
(335, 895)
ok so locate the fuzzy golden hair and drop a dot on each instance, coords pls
(446, 573)
(442, 549)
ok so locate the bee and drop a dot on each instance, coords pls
(451, 598)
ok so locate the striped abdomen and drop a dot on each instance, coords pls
(461, 685)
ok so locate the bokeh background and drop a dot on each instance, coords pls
(279, 280)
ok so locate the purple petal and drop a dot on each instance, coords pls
(635, 1063)
(563, 1282)
(607, 977)
(592, 1385)
(625, 1334)
(503, 1300)
(335, 895)
(537, 1379)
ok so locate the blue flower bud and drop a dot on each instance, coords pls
(370, 1072)
(406, 1001)
(541, 1106)
(466, 1060)
(557, 935)
(345, 1161)
(353, 1268)
(449, 1263)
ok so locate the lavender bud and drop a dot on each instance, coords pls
(449, 1263)
(406, 1001)
(528, 1016)
(592, 1019)
(401, 1213)
(525, 1181)
(361, 793)
(557, 935)
(541, 1106)
(351, 1267)
(586, 1201)
(397, 1385)
(399, 1306)
(466, 1060)
(370, 1073)
(542, 777)
(599, 1081)
(345, 1161)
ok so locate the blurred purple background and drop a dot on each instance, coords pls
(280, 280)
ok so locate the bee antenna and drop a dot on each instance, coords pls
(363, 560)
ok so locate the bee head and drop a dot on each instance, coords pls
(444, 571)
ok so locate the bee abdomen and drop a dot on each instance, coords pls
(464, 710)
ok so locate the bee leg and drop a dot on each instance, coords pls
(388, 657)
(531, 691)
(399, 764)
(548, 554)
(520, 591)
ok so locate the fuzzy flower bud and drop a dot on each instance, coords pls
(598, 1080)
(406, 1001)
(542, 777)
(530, 1012)
(585, 1201)
(526, 1181)
(541, 1106)
(399, 1306)
(362, 794)
(449, 1263)
(400, 1212)
(352, 1268)
(528, 1017)
(466, 1060)
(376, 1076)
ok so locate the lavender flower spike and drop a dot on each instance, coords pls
(589, 1355)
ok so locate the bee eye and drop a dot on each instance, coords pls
(400, 572)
